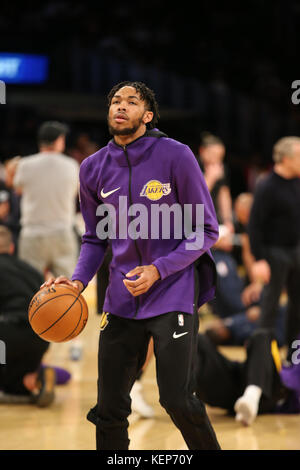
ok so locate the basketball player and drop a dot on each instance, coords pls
(156, 284)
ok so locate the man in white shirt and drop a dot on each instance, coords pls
(48, 184)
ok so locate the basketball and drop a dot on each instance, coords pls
(58, 313)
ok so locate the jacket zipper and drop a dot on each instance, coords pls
(135, 242)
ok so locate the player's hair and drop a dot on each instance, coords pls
(5, 239)
(49, 131)
(245, 199)
(284, 147)
(207, 139)
(146, 94)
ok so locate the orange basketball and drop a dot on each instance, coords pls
(58, 313)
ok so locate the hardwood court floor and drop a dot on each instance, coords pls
(63, 426)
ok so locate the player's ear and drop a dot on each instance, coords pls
(148, 116)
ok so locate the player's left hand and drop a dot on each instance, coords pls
(147, 275)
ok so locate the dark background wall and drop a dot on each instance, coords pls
(223, 67)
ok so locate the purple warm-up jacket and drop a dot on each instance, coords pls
(153, 169)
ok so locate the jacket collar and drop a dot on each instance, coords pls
(135, 150)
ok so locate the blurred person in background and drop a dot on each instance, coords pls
(48, 184)
(274, 232)
(228, 300)
(211, 158)
(249, 387)
(238, 294)
(22, 377)
(83, 147)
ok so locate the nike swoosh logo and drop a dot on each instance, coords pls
(104, 195)
(175, 335)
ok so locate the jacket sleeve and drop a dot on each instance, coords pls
(200, 222)
(92, 248)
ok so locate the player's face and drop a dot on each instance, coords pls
(212, 154)
(127, 112)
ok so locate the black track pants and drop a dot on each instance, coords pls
(122, 352)
(285, 273)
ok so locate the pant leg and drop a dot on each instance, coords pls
(122, 351)
(280, 264)
(24, 352)
(260, 369)
(174, 348)
(293, 306)
(219, 380)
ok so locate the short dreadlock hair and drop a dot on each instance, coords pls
(146, 95)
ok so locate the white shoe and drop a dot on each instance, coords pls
(75, 352)
(246, 411)
(138, 403)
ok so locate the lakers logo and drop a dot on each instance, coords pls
(154, 190)
(103, 321)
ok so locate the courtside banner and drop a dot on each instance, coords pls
(23, 68)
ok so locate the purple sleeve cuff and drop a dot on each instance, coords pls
(159, 266)
(90, 260)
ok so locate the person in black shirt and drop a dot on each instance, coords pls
(274, 232)
(22, 379)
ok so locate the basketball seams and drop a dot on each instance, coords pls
(82, 316)
(57, 320)
(74, 291)
(72, 332)
(84, 307)
(49, 300)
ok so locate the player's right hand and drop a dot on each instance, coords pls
(63, 280)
